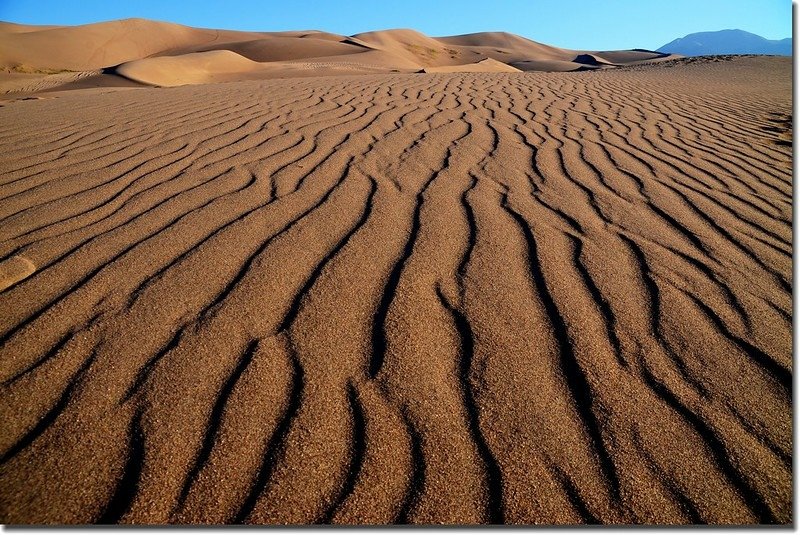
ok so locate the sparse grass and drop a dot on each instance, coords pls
(422, 50)
(27, 69)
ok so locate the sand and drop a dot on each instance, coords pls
(15, 269)
(485, 65)
(536, 298)
(35, 58)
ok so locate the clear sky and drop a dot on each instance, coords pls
(577, 24)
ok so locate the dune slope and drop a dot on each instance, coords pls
(485, 65)
(104, 44)
(135, 48)
(448, 298)
(194, 68)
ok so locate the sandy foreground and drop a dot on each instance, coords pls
(430, 298)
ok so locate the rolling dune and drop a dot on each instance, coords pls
(485, 65)
(195, 68)
(538, 298)
(167, 54)
(104, 44)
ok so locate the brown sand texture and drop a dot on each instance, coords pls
(459, 298)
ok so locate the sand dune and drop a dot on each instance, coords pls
(551, 298)
(94, 46)
(279, 48)
(549, 65)
(485, 65)
(10, 27)
(133, 47)
(506, 46)
(410, 45)
(195, 68)
(227, 66)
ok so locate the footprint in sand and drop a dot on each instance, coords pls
(15, 269)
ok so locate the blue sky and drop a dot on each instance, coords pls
(578, 24)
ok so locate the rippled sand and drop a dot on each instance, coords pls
(461, 298)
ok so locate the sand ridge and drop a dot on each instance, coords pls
(538, 298)
(15, 269)
(166, 54)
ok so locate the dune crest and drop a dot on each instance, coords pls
(95, 46)
(194, 68)
(484, 65)
(133, 47)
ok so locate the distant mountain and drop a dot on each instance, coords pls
(727, 42)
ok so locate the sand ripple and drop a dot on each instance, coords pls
(461, 298)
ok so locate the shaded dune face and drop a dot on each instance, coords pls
(448, 298)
